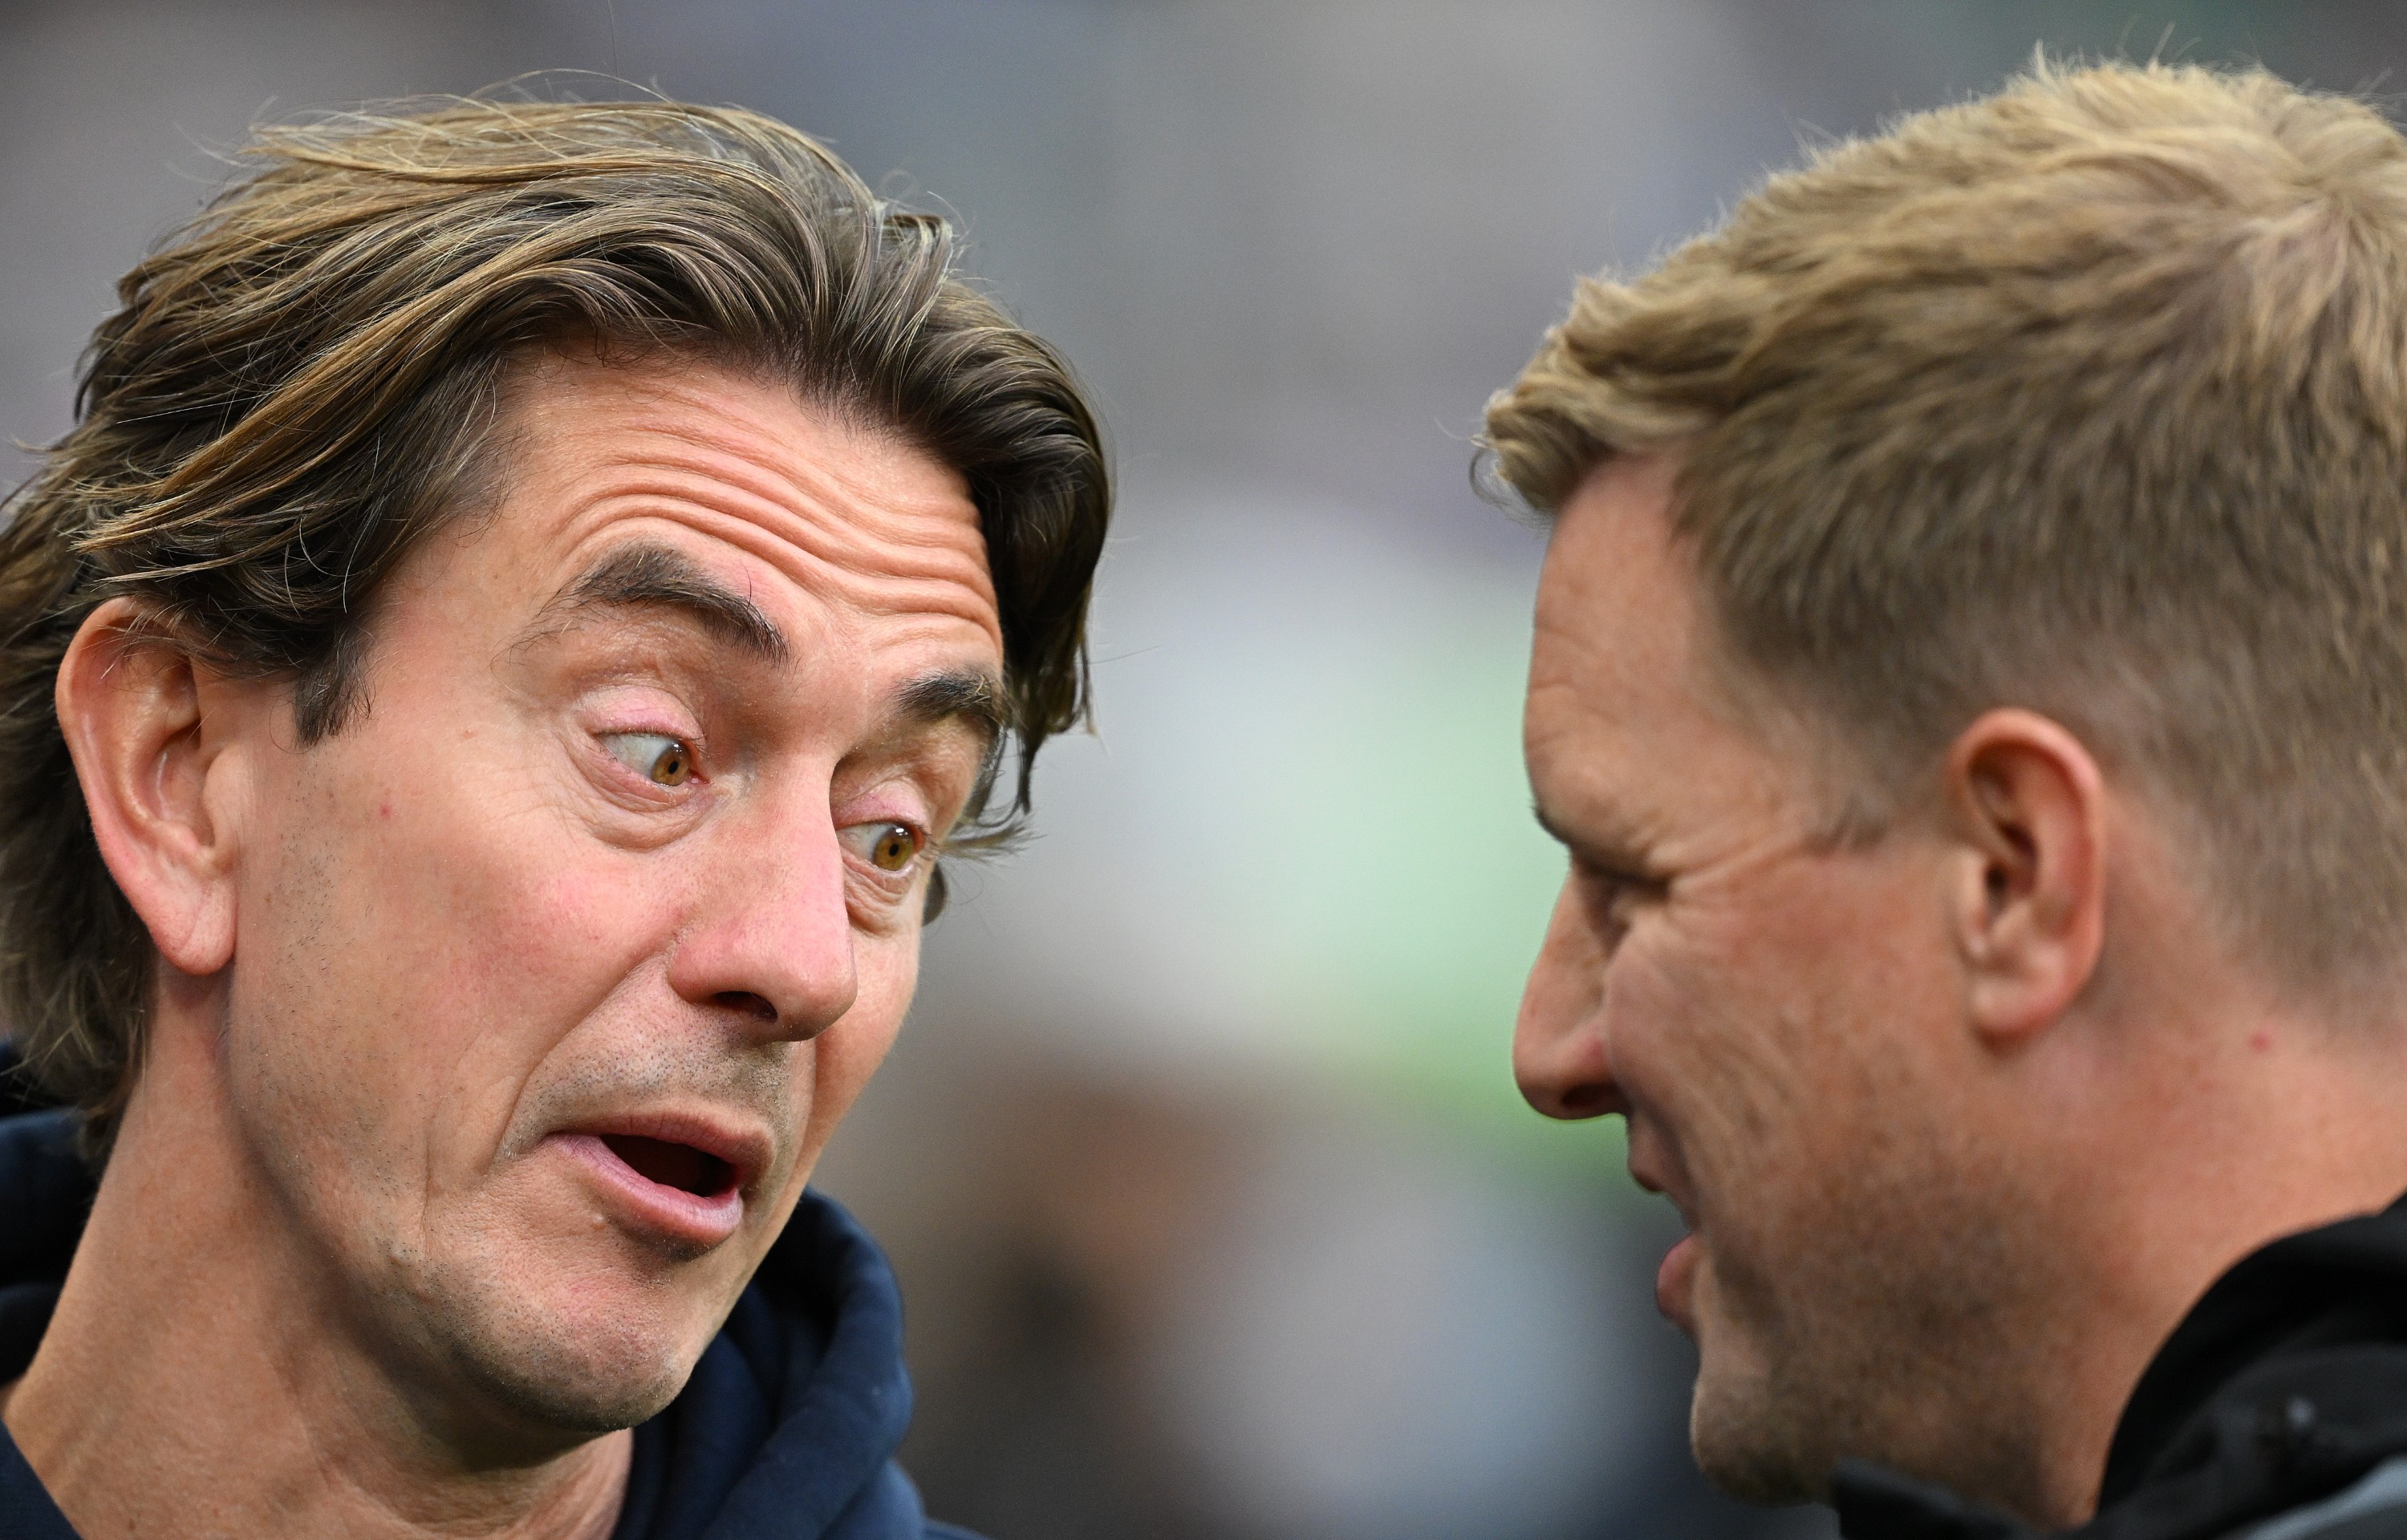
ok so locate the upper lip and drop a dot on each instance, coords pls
(744, 1145)
(1644, 1172)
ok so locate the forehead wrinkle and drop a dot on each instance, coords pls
(786, 449)
(862, 518)
(845, 537)
(758, 459)
(1580, 775)
(873, 587)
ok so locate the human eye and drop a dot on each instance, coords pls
(1613, 893)
(661, 758)
(884, 844)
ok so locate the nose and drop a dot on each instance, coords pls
(770, 936)
(1560, 1055)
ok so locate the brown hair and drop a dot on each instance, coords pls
(302, 382)
(2090, 396)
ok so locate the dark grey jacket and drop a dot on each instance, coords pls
(2277, 1410)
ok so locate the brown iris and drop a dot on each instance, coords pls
(895, 848)
(674, 764)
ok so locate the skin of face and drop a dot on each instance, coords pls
(485, 923)
(1779, 1016)
(498, 1031)
(1963, 1111)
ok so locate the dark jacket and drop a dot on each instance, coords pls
(787, 1429)
(2277, 1410)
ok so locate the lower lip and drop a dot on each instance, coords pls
(1675, 1285)
(687, 1218)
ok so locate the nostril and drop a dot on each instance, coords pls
(755, 1006)
(1584, 1101)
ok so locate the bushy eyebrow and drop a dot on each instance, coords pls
(965, 695)
(642, 575)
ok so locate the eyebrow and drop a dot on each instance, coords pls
(647, 576)
(958, 696)
(1614, 846)
(644, 575)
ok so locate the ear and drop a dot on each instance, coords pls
(2029, 893)
(136, 713)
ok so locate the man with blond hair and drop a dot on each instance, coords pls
(1971, 682)
(531, 593)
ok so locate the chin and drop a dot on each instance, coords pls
(560, 1365)
(1743, 1462)
(568, 1392)
(1753, 1440)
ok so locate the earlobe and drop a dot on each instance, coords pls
(2030, 909)
(132, 706)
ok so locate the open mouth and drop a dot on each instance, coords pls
(672, 1164)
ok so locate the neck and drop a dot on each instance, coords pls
(199, 1376)
(2182, 1147)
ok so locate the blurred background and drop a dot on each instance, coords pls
(1200, 1161)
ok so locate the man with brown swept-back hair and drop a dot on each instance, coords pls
(1971, 681)
(531, 593)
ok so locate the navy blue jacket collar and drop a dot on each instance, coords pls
(787, 1429)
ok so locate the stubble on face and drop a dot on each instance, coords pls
(1779, 1011)
(466, 1298)
(1862, 1317)
(440, 1285)
(470, 932)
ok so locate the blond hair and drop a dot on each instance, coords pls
(2089, 396)
(302, 382)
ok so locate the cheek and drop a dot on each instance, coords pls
(847, 1054)
(1766, 1021)
(1701, 1048)
(423, 936)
